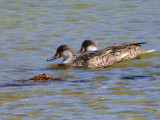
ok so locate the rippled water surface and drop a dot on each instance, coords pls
(32, 30)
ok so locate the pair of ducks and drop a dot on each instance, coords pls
(92, 57)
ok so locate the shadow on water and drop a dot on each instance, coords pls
(139, 77)
(67, 68)
(31, 82)
(58, 66)
(149, 55)
(19, 83)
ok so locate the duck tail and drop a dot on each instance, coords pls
(138, 44)
(149, 51)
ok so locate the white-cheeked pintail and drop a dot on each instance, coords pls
(99, 58)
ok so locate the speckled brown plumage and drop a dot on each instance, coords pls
(100, 58)
(108, 56)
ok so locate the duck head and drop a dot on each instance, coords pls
(64, 51)
(89, 45)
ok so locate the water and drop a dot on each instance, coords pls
(32, 30)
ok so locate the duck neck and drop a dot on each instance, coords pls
(68, 57)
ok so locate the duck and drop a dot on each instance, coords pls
(92, 45)
(99, 58)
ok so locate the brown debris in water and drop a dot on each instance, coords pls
(43, 76)
(39, 79)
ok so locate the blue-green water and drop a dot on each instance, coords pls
(32, 30)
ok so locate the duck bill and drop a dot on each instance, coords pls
(82, 50)
(54, 57)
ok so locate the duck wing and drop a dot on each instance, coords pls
(115, 48)
(103, 52)
(107, 56)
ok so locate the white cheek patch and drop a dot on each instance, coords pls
(91, 48)
(67, 55)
